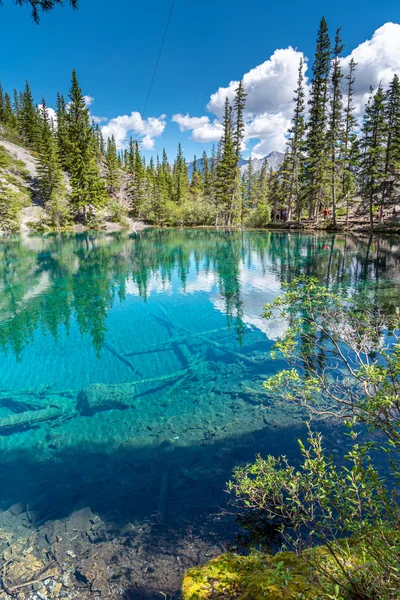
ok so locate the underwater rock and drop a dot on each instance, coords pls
(82, 520)
(98, 397)
(93, 572)
(17, 509)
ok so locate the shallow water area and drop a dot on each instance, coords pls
(131, 370)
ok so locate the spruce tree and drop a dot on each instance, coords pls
(112, 167)
(335, 133)
(29, 118)
(296, 148)
(10, 203)
(88, 191)
(239, 105)
(317, 163)
(137, 187)
(180, 176)
(350, 146)
(196, 183)
(206, 176)
(226, 174)
(62, 135)
(392, 155)
(373, 150)
(9, 116)
(2, 105)
(51, 188)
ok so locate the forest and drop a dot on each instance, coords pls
(335, 168)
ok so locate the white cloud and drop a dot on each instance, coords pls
(124, 125)
(269, 89)
(201, 127)
(269, 86)
(378, 59)
(51, 113)
(270, 130)
(88, 100)
(98, 119)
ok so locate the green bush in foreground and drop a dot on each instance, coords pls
(345, 365)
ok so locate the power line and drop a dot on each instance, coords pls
(158, 59)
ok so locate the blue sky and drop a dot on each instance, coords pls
(113, 45)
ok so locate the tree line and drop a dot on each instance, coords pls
(332, 164)
(333, 161)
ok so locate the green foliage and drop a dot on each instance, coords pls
(345, 366)
(347, 508)
(284, 576)
(112, 167)
(51, 187)
(38, 6)
(88, 192)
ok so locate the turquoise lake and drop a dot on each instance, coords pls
(129, 360)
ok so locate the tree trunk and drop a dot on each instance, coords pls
(371, 214)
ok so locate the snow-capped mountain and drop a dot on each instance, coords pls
(274, 159)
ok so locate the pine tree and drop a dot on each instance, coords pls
(137, 187)
(350, 146)
(392, 155)
(296, 148)
(226, 175)
(112, 167)
(196, 183)
(316, 166)
(180, 176)
(29, 118)
(88, 191)
(62, 135)
(51, 188)
(239, 106)
(373, 150)
(10, 203)
(335, 133)
(206, 176)
(2, 105)
(9, 116)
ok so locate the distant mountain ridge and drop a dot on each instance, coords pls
(274, 159)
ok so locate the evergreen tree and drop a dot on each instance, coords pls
(373, 150)
(226, 175)
(350, 147)
(51, 187)
(316, 166)
(296, 148)
(239, 106)
(335, 133)
(62, 135)
(29, 118)
(112, 167)
(9, 117)
(166, 183)
(44, 5)
(10, 203)
(392, 155)
(180, 176)
(88, 191)
(137, 188)
(206, 176)
(196, 183)
(2, 105)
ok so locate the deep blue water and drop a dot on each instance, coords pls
(172, 320)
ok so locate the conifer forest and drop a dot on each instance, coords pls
(335, 167)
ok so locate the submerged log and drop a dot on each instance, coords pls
(27, 420)
(98, 397)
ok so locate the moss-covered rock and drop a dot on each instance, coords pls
(284, 576)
